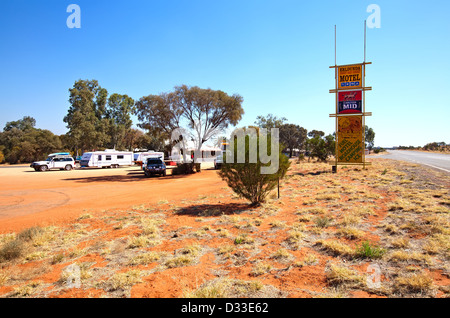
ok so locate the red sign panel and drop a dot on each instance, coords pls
(350, 102)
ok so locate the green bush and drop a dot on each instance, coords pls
(368, 251)
(246, 179)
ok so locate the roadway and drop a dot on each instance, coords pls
(430, 159)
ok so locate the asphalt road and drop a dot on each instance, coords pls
(434, 160)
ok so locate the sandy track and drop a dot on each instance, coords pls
(29, 198)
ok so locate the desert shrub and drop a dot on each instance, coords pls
(323, 221)
(12, 250)
(247, 178)
(30, 234)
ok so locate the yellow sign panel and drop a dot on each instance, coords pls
(350, 76)
(350, 139)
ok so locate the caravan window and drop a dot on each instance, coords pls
(99, 157)
(108, 157)
(119, 156)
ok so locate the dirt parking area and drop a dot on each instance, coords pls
(29, 198)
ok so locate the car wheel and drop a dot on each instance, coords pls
(43, 168)
(147, 174)
(68, 167)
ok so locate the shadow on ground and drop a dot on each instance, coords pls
(206, 210)
(129, 177)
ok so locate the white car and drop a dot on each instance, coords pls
(60, 161)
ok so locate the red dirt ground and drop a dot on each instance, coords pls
(59, 198)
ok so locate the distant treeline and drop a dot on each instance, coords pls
(432, 146)
(21, 142)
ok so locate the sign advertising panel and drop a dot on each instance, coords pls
(350, 139)
(350, 76)
(350, 102)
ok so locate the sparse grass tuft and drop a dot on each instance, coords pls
(323, 221)
(368, 251)
(338, 275)
(337, 248)
(125, 280)
(415, 283)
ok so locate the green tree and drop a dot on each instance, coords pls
(369, 137)
(270, 121)
(292, 136)
(246, 179)
(321, 147)
(316, 133)
(21, 142)
(198, 113)
(85, 117)
(118, 114)
(24, 124)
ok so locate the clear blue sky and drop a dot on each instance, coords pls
(276, 54)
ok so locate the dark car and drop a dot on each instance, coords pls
(154, 166)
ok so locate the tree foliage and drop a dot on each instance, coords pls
(270, 121)
(293, 136)
(85, 117)
(198, 113)
(321, 147)
(21, 142)
(369, 137)
(95, 120)
(246, 179)
(118, 116)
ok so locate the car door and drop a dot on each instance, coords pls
(58, 163)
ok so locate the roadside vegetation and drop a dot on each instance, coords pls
(379, 232)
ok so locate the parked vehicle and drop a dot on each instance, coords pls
(77, 161)
(141, 157)
(60, 160)
(106, 159)
(154, 166)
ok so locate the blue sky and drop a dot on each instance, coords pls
(275, 54)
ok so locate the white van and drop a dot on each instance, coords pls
(108, 158)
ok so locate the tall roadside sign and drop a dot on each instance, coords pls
(350, 112)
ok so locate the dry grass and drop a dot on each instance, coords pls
(325, 227)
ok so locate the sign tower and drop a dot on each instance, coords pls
(350, 111)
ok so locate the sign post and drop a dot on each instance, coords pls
(350, 112)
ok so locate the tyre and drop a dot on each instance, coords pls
(43, 168)
(147, 174)
(68, 167)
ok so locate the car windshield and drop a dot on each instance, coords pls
(154, 162)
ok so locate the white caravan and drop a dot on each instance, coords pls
(108, 158)
(140, 157)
